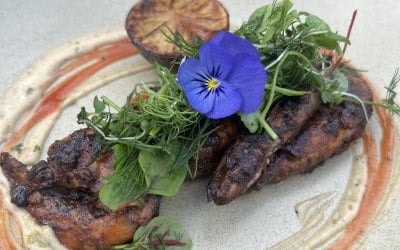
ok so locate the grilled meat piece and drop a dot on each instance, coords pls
(62, 192)
(329, 132)
(243, 161)
(72, 163)
(214, 147)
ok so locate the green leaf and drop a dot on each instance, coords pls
(337, 37)
(341, 80)
(290, 18)
(97, 119)
(98, 105)
(83, 115)
(322, 34)
(326, 97)
(316, 23)
(326, 43)
(259, 18)
(127, 183)
(334, 87)
(169, 229)
(157, 166)
(161, 232)
(268, 20)
(110, 197)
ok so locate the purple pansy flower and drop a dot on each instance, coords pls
(227, 78)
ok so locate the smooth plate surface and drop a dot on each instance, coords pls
(30, 28)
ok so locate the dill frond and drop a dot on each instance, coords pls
(187, 48)
(391, 91)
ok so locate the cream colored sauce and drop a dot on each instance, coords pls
(40, 132)
(348, 206)
(306, 210)
(34, 142)
(311, 214)
(26, 233)
(316, 231)
(30, 86)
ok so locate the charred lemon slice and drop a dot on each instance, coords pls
(149, 21)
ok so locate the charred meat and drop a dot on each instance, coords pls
(214, 147)
(329, 132)
(62, 192)
(243, 161)
(304, 143)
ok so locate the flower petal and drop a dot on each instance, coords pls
(227, 101)
(191, 70)
(234, 44)
(233, 64)
(200, 98)
(216, 60)
(192, 76)
(249, 78)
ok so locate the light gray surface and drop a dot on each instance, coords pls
(30, 28)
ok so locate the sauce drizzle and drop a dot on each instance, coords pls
(5, 240)
(51, 102)
(379, 174)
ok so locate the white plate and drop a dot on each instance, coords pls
(30, 28)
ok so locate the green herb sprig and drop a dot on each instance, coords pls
(289, 42)
(389, 101)
(161, 232)
(152, 137)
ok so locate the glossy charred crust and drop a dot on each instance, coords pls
(214, 147)
(74, 150)
(149, 21)
(306, 139)
(243, 162)
(62, 192)
(330, 131)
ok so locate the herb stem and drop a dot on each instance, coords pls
(267, 128)
(391, 108)
(112, 104)
(277, 60)
(358, 99)
(287, 92)
(131, 138)
(273, 88)
(275, 77)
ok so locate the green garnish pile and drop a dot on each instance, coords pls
(152, 136)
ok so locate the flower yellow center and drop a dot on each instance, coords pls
(212, 84)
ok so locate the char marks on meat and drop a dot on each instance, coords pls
(243, 161)
(309, 133)
(214, 147)
(329, 132)
(62, 192)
